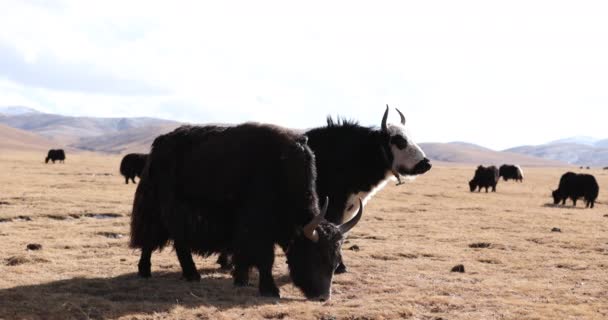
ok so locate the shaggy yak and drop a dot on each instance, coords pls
(243, 190)
(132, 165)
(485, 177)
(354, 162)
(55, 155)
(511, 172)
(574, 186)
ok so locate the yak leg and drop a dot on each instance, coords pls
(127, 180)
(224, 260)
(494, 188)
(574, 202)
(133, 179)
(144, 265)
(184, 255)
(592, 203)
(264, 262)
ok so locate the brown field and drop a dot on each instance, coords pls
(409, 239)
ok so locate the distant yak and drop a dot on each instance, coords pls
(511, 172)
(243, 190)
(574, 186)
(132, 166)
(55, 155)
(485, 177)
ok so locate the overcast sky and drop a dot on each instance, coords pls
(496, 73)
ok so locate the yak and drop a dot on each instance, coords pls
(241, 189)
(485, 177)
(574, 186)
(511, 172)
(354, 162)
(132, 165)
(55, 155)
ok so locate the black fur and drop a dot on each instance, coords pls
(485, 177)
(132, 166)
(241, 190)
(510, 172)
(574, 186)
(350, 159)
(55, 155)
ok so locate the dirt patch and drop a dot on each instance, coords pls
(111, 235)
(34, 246)
(480, 245)
(103, 215)
(4, 203)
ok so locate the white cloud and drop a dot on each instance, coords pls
(495, 73)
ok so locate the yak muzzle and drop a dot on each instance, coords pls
(422, 166)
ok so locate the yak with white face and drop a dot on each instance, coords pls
(408, 158)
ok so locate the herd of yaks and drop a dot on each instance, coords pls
(241, 190)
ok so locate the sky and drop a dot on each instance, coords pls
(495, 73)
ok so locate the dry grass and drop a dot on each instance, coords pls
(402, 253)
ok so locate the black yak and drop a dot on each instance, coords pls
(132, 165)
(243, 190)
(354, 162)
(485, 177)
(511, 172)
(55, 155)
(574, 186)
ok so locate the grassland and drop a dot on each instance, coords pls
(399, 257)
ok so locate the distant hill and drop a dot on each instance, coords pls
(19, 140)
(70, 130)
(16, 110)
(572, 153)
(126, 141)
(461, 152)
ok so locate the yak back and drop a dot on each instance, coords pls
(210, 182)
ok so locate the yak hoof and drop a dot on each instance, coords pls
(270, 293)
(193, 277)
(341, 269)
(144, 274)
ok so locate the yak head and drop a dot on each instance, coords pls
(472, 185)
(407, 157)
(315, 254)
(557, 197)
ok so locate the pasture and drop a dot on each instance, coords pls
(399, 256)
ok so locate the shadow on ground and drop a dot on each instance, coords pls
(102, 298)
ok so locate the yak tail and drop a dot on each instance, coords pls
(147, 228)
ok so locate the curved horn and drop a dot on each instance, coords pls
(345, 227)
(384, 117)
(402, 117)
(309, 229)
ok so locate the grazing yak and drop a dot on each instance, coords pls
(55, 155)
(485, 177)
(354, 162)
(243, 190)
(574, 186)
(132, 165)
(511, 172)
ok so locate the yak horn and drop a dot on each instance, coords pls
(345, 227)
(402, 117)
(384, 117)
(309, 229)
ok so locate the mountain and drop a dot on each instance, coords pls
(462, 152)
(19, 140)
(66, 130)
(572, 153)
(584, 140)
(601, 143)
(16, 110)
(126, 141)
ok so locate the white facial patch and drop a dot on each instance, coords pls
(406, 158)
